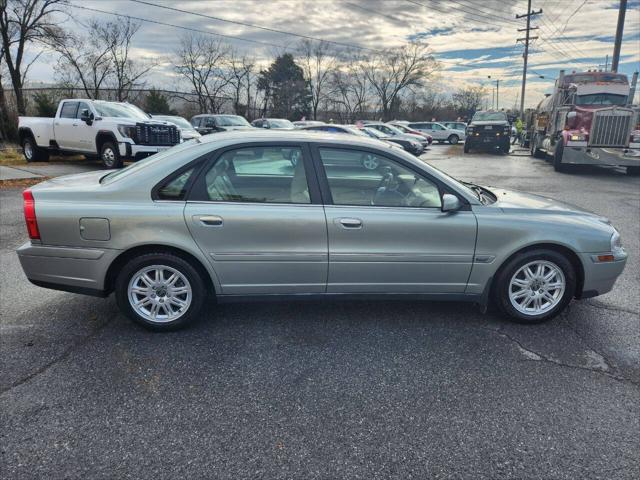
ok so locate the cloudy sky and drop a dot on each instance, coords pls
(471, 38)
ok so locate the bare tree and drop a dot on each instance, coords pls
(23, 22)
(84, 60)
(318, 62)
(203, 62)
(241, 70)
(350, 87)
(467, 100)
(395, 70)
(125, 73)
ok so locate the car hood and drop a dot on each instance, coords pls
(531, 203)
(231, 128)
(133, 121)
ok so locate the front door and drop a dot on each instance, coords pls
(64, 127)
(85, 135)
(255, 217)
(387, 233)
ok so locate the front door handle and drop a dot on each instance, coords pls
(209, 220)
(351, 222)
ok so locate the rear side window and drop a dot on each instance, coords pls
(69, 110)
(176, 188)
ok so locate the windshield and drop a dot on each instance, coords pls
(179, 121)
(601, 99)
(490, 117)
(372, 132)
(355, 131)
(280, 123)
(120, 110)
(232, 121)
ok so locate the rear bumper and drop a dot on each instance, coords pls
(622, 157)
(79, 270)
(600, 277)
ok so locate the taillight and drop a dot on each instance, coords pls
(30, 215)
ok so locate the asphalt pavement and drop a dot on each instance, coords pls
(329, 390)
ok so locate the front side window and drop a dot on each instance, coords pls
(363, 178)
(258, 175)
(437, 126)
(69, 110)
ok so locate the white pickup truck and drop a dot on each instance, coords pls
(112, 131)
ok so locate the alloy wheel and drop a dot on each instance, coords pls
(537, 287)
(159, 293)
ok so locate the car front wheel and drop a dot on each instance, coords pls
(160, 291)
(535, 286)
(110, 156)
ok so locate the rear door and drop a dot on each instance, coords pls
(65, 126)
(387, 233)
(257, 216)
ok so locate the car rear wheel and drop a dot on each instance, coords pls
(160, 291)
(110, 155)
(535, 286)
(453, 139)
(33, 153)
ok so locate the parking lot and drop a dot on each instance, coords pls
(329, 390)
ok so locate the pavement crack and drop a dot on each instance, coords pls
(66, 354)
(532, 355)
(603, 306)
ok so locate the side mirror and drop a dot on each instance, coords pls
(450, 203)
(571, 120)
(86, 116)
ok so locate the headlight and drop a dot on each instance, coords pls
(127, 131)
(616, 245)
(577, 137)
(469, 130)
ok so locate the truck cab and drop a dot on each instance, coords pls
(112, 131)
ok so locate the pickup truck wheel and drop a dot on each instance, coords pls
(110, 155)
(453, 139)
(535, 286)
(466, 147)
(535, 151)
(32, 153)
(160, 291)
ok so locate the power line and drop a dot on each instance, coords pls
(207, 32)
(250, 25)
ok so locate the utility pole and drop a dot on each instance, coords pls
(526, 40)
(497, 92)
(606, 63)
(616, 47)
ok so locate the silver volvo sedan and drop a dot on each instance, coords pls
(296, 215)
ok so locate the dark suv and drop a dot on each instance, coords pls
(488, 130)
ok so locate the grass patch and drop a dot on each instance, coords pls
(12, 156)
(21, 182)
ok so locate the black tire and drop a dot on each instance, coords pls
(635, 171)
(110, 155)
(558, 166)
(503, 279)
(33, 153)
(453, 139)
(197, 283)
(466, 147)
(535, 151)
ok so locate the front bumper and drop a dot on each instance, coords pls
(80, 270)
(583, 155)
(599, 277)
(135, 151)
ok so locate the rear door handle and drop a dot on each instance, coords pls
(209, 220)
(351, 222)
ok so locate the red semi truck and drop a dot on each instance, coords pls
(588, 120)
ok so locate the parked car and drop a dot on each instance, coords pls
(488, 130)
(455, 125)
(391, 131)
(221, 216)
(408, 144)
(275, 123)
(439, 132)
(112, 131)
(404, 129)
(187, 132)
(307, 123)
(207, 123)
